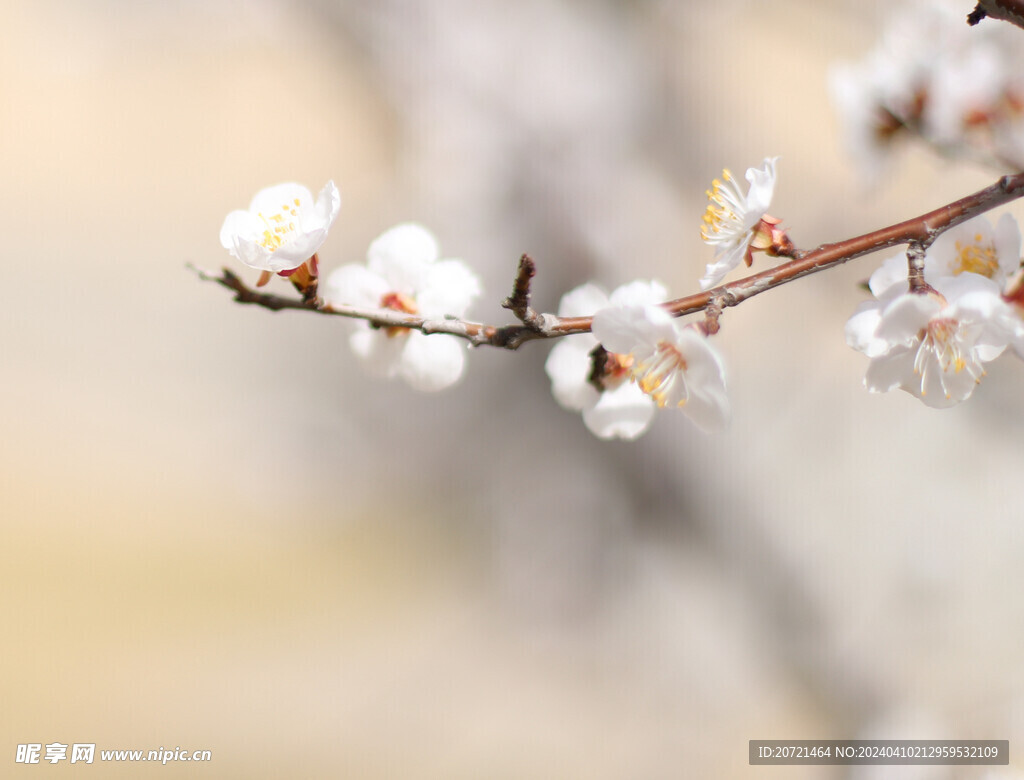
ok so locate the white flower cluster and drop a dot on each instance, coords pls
(933, 341)
(958, 87)
(282, 232)
(930, 338)
(638, 358)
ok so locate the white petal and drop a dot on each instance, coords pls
(954, 288)
(402, 256)
(255, 255)
(708, 403)
(568, 366)
(322, 215)
(355, 285)
(380, 353)
(762, 187)
(431, 363)
(638, 293)
(632, 329)
(725, 260)
(450, 287)
(890, 277)
(903, 319)
(1007, 243)
(238, 223)
(894, 369)
(623, 413)
(270, 199)
(861, 329)
(582, 301)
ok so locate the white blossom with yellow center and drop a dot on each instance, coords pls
(587, 379)
(731, 220)
(283, 227)
(933, 345)
(973, 247)
(673, 363)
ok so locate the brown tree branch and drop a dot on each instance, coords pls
(1011, 11)
(919, 232)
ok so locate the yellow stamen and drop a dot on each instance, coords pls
(976, 258)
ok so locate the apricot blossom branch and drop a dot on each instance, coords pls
(918, 231)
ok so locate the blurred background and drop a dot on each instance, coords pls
(219, 534)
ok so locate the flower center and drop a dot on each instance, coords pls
(725, 207)
(279, 226)
(397, 301)
(659, 374)
(942, 338)
(608, 370)
(975, 258)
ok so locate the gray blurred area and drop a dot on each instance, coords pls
(219, 534)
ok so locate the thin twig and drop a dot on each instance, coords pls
(519, 301)
(920, 231)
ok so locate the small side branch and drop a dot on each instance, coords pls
(915, 267)
(519, 301)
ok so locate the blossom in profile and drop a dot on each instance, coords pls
(404, 273)
(672, 363)
(283, 227)
(587, 378)
(736, 224)
(933, 343)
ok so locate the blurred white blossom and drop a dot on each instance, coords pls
(933, 75)
(404, 273)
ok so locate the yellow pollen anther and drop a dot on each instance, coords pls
(658, 375)
(976, 259)
(275, 232)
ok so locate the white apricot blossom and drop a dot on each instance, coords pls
(404, 273)
(736, 224)
(672, 363)
(972, 247)
(283, 227)
(932, 344)
(976, 247)
(587, 378)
